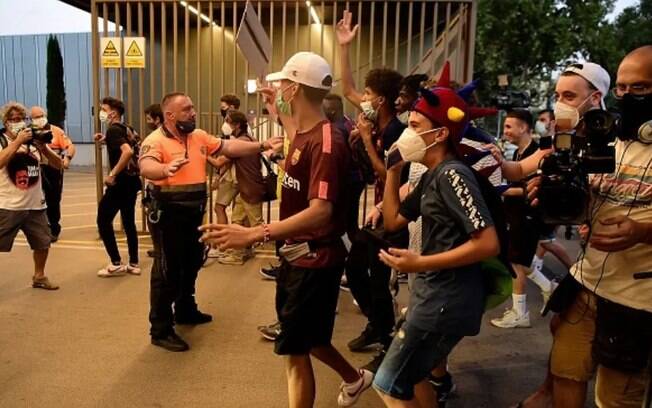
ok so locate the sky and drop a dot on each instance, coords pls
(54, 16)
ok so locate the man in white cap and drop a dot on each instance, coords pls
(580, 88)
(312, 221)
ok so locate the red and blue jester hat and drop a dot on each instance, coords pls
(445, 106)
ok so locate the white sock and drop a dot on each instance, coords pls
(519, 304)
(537, 263)
(540, 279)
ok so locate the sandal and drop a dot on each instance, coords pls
(44, 283)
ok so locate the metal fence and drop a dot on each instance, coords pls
(191, 47)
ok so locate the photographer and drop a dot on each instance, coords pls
(22, 205)
(53, 178)
(605, 316)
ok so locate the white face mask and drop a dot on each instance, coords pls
(412, 146)
(566, 116)
(40, 122)
(15, 128)
(104, 117)
(404, 117)
(368, 110)
(540, 128)
(226, 129)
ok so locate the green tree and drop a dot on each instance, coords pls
(530, 39)
(56, 92)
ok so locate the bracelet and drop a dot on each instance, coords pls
(262, 147)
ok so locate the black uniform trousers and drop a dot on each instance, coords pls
(178, 258)
(52, 189)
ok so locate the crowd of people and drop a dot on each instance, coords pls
(442, 220)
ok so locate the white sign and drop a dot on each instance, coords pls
(254, 42)
(134, 52)
(110, 51)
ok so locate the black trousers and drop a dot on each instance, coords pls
(177, 260)
(52, 189)
(119, 197)
(368, 279)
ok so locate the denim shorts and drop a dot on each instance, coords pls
(411, 357)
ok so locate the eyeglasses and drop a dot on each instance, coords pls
(637, 90)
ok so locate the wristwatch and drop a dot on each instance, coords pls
(262, 147)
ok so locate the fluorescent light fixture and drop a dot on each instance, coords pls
(251, 86)
(313, 12)
(196, 12)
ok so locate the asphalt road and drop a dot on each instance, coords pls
(87, 344)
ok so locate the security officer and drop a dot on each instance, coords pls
(53, 178)
(173, 159)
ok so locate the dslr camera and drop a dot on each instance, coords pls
(43, 135)
(588, 149)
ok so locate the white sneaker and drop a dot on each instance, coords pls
(349, 393)
(133, 269)
(511, 320)
(546, 294)
(111, 271)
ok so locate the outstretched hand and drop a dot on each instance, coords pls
(343, 31)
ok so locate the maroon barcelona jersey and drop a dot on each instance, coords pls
(317, 167)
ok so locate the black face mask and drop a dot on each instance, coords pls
(152, 126)
(223, 112)
(634, 112)
(185, 126)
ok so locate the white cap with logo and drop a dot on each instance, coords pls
(594, 74)
(305, 68)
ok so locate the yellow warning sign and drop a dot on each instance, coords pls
(135, 55)
(110, 50)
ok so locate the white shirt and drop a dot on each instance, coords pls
(20, 180)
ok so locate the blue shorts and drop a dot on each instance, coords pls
(410, 358)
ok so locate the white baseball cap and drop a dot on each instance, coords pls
(594, 74)
(305, 68)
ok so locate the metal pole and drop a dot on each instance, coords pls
(99, 180)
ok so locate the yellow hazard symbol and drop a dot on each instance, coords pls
(134, 50)
(110, 50)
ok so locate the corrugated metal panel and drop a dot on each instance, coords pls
(24, 78)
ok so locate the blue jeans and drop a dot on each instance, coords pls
(411, 357)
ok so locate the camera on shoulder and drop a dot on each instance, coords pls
(588, 149)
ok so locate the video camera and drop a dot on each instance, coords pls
(564, 191)
(507, 99)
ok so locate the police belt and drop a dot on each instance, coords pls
(187, 195)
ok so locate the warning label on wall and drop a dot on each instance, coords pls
(110, 50)
(135, 54)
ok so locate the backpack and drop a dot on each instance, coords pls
(497, 271)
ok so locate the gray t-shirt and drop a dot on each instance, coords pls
(449, 200)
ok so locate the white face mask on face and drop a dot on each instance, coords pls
(368, 110)
(412, 146)
(226, 129)
(15, 128)
(104, 117)
(566, 116)
(40, 122)
(540, 128)
(404, 117)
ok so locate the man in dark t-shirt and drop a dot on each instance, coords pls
(312, 221)
(122, 186)
(524, 225)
